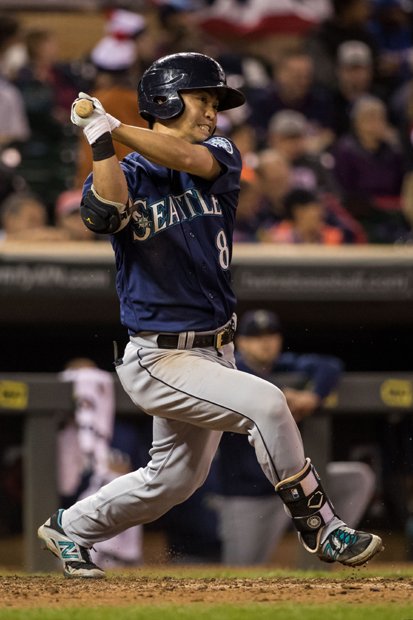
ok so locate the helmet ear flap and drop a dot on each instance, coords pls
(157, 99)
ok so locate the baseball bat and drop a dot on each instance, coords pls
(84, 108)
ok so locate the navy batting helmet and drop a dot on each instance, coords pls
(159, 88)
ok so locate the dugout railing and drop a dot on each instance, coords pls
(42, 401)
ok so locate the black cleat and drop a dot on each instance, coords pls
(349, 547)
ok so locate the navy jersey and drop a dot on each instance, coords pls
(173, 258)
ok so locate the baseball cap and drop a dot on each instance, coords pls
(288, 123)
(112, 54)
(117, 51)
(355, 53)
(124, 24)
(258, 323)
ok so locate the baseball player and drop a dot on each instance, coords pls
(169, 209)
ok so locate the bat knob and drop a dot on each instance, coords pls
(84, 108)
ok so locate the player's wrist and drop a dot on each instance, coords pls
(103, 147)
(96, 128)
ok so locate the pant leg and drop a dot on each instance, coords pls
(181, 457)
(351, 485)
(207, 391)
(126, 548)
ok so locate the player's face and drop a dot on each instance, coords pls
(198, 121)
(263, 349)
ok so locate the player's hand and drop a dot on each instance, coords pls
(302, 403)
(98, 110)
(97, 123)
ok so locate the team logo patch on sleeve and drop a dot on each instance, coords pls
(221, 143)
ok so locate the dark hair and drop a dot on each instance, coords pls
(296, 198)
(9, 28)
(36, 37)
(341, 7)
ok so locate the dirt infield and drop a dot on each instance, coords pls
(18, 591)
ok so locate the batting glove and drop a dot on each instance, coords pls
(98, 123)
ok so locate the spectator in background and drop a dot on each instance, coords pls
(114, 59)
(179, 31)
(405, 127)
(14, 126)
(10, 181)
(289, 134)
(252, 519)
(273, 173)
(127, 40)
(86, 460)
(24, 218)
(350, 22)
(369, 168)
(354, 72)
(48, 89)
(294, 88)
(240, 20)
(244, 137)
(253, 75)
(13, 51)
(67, 217)
(249, 215)
(392, 29)
(304, 222)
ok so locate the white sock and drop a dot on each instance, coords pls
(330, 527)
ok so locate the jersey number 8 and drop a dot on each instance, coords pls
(222, 245)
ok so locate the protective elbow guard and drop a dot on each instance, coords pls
(102, 216)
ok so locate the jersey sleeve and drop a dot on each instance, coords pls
(132, 168)
(229, 158)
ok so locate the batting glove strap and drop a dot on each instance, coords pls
(95, 129)
(114, 123)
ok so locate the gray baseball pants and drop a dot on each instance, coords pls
(193, 395)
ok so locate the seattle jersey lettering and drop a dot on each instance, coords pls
(150, 219)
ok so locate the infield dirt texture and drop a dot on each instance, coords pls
(387, 592)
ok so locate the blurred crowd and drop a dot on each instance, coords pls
(325, 135)
(326, 139)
